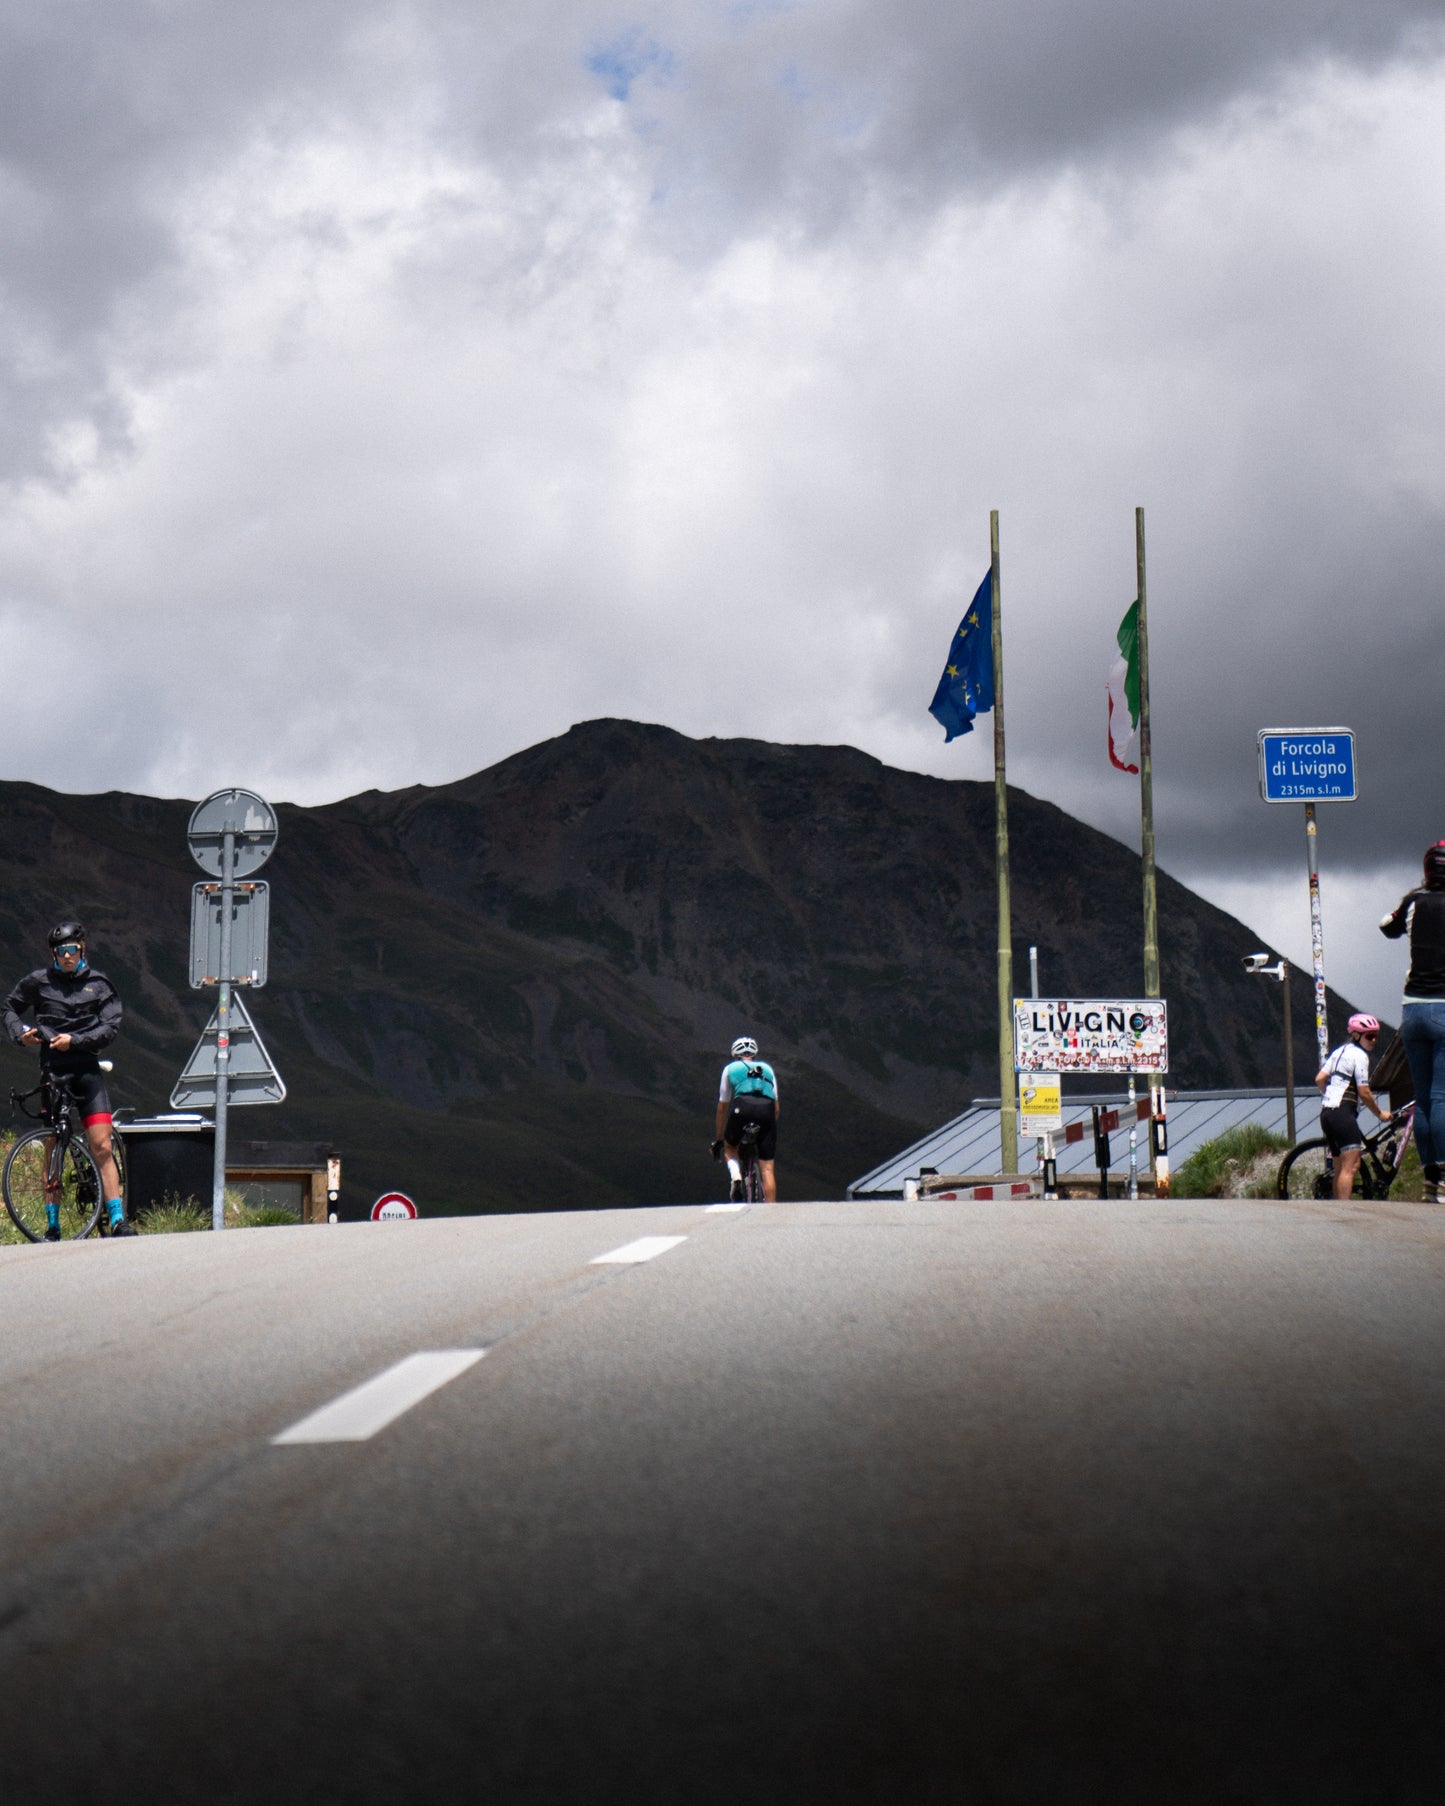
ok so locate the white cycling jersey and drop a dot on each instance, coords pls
(1347, 1066)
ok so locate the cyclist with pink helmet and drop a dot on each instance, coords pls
(1345, 1081)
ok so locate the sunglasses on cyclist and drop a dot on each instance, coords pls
(69, 947)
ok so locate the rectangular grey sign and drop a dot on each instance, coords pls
(250, 935)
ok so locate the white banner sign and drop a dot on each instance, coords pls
(1090, 1034)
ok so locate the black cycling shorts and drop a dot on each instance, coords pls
(752, 1107)
(86, 1081)
(1341, 1129)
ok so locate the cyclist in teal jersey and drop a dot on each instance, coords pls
(749, 1093)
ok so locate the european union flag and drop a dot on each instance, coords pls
(966, 687)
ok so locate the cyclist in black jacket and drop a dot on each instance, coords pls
(1421, 915)
(70, 1012)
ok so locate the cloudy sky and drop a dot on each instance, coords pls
(387, 386)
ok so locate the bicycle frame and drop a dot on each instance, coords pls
(1387, 1146)
(748, 1156)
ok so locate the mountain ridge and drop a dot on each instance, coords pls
(515, 990)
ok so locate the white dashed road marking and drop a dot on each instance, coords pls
(710, 1210)
(360, 1413)
(648, 1248)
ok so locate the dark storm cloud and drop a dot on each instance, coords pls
(109, 107)
(808, 110)
(1002, 85)
(103, 109)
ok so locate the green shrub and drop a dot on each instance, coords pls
(1210, 1168)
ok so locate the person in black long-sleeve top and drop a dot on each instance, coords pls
(70, 1012)
(1421, 915)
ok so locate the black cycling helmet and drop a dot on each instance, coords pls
(66, 931)
(1435, 863)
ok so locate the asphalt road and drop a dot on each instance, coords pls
(823, 1502)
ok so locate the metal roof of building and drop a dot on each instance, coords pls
(971, 1142)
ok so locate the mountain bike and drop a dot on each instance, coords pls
(53, 1164)
(1304, 1171)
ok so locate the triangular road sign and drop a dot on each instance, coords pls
(252, 1079)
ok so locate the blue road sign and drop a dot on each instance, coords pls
(1307, 764)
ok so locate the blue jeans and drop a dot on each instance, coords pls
(1422, 1029)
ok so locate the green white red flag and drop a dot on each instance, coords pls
(1124, 696)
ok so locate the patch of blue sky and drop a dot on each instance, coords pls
(624, 59)
(794, 83)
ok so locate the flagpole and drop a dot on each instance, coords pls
(1146, 778)
(1158, 1135)
(1008, 1115)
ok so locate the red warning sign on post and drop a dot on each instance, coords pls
(393, 1207)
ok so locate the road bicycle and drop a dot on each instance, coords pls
(1306, 1171)
(748, 1161)
(748, 1137)
(53, 1164)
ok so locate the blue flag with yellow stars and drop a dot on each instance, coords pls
(966, 687)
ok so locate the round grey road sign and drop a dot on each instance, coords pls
(249, 817)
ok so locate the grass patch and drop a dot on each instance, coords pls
(1212, 1169)
(175, 1216)
(178, 1216)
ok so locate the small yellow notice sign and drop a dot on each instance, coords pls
(1041, 1105)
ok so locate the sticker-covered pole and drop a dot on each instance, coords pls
(1317, 934)
(223, 1027)
(1288, 1054)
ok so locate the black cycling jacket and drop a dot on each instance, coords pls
(1422, 915)
(82, 1004)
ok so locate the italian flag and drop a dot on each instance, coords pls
(1124, 696)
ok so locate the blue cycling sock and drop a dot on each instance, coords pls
(52, 1215)
(116, 1209)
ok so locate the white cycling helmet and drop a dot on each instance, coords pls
(745, 1048)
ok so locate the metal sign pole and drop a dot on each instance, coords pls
(1039, 1155)
(1317, 934)
(1133, 1140)
(223, 1028)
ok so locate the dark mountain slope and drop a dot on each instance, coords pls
(517, 990)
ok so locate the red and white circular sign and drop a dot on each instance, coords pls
(393, 1207)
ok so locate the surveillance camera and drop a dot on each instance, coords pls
(1255, 962)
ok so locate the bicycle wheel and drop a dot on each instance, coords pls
(78, 1190)
(1302, 1172)
(752, 1178)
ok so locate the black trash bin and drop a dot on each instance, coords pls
(168, 1160)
